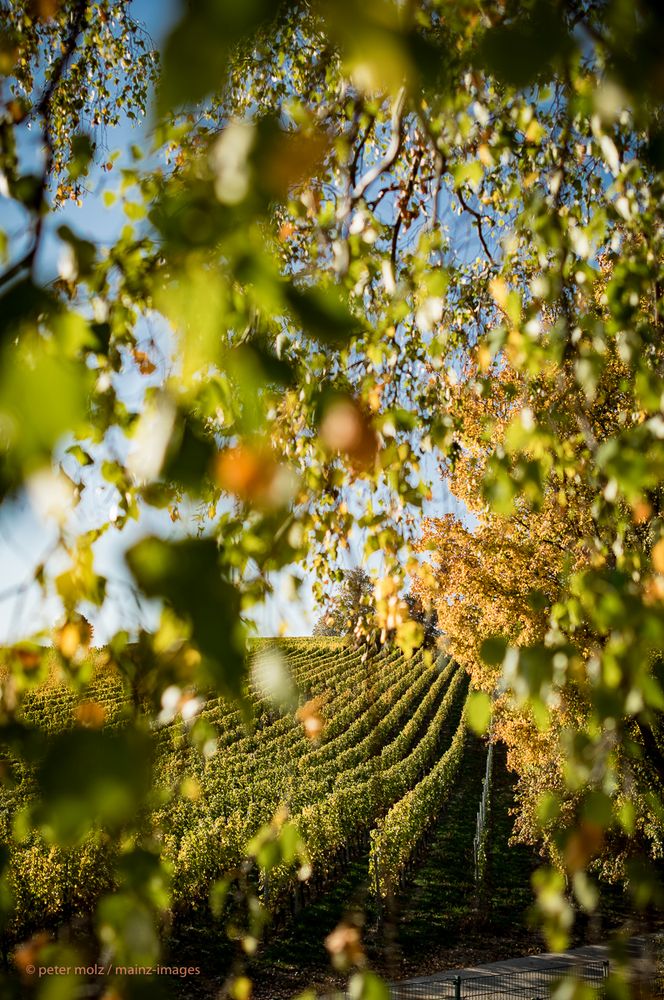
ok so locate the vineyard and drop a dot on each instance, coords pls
(368, 756)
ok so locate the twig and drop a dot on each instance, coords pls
(359, 150)
(478, 223)
(392, 150)
(440, 163)
(17, 267)
(44, 108)
(16, 590)
(403, 204)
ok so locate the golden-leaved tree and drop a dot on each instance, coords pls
(499, 580)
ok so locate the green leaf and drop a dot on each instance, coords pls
(188, 576)
(84, 250)
(598, 808)
(198, 48)
(323, 314)
(27, 190)
(81, 456)
(42, 397)
(142, 872)
(90, 777)
(134, 210)
(21, 306)
(478, 711)
(82, 149)
(189, 456)
(127, 926)
(218, 895)
(470, 172)
(525, 49)
(493, 650)
(548, 808)
(368, 986)
(537, 600)
(26, 741)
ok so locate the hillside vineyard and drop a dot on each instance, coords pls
(366, 754)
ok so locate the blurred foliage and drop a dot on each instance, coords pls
(374, 236)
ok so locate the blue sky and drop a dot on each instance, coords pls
(25, 535)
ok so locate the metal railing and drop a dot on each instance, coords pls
(519, 984)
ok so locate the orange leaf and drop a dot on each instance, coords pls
(346, 429)
(145, 365)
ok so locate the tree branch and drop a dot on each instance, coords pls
(403, 204)
(44, 109)
(653, 752)
(392, 150)
(478, 223)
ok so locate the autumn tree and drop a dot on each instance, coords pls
(508, 575)
(426, 616)
(351, 610)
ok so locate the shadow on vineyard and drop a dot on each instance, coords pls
(433, 922)
(434, 911)
(510, 866)
(298, 956)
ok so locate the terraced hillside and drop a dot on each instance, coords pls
(372, 746)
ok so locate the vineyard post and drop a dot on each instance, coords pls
(377, 880)
(68, 888)
(457, 988)
(482, 825)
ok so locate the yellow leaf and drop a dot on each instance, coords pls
(658, 556)
(499, 292)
